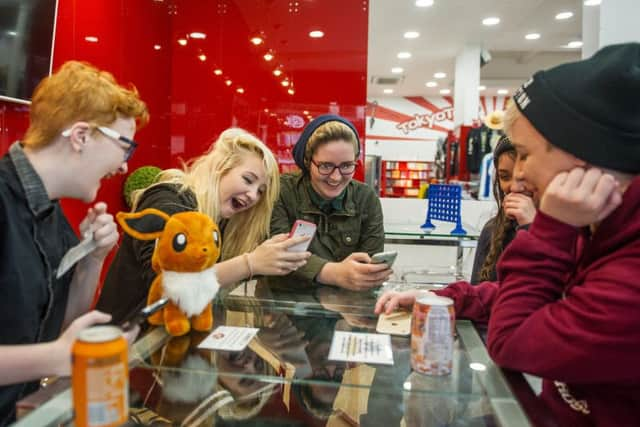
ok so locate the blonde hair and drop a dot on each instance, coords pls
(79, 91)
(511, 114)
(247, 229)
(329, 132)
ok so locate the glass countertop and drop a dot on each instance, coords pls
(442, 230)
(284, 376)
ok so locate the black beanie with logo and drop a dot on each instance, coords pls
(590, 108)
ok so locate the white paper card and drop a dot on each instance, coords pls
(228, 338)
(360, 347)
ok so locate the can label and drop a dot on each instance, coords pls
(100, 381)
(432, 337)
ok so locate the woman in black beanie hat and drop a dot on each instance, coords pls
(347, 213)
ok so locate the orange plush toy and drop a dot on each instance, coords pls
(187, 247)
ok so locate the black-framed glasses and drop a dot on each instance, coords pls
(131, 144)
(327, 168)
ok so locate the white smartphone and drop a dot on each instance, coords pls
(384, 257)
(302, 228)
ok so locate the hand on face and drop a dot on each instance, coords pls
(104, 230)
(273, 258)
(357, 273)
(519, 207)
(581, 197)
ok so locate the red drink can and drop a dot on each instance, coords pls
(432, 335)
(100, 377)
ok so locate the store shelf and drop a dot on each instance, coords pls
(404, 179)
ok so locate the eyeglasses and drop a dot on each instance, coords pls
(131, 144)
(327, 168)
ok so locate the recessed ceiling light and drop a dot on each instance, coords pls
(91, 39)
(277, 72)
(182, 42)
(440, 75)
(431, 84)
(268, 56)
(404, 55)
(157, 47)
(445, 91)
(424, 3)
(217, 72)
(574, 44)
(564, 15)
(285, 83)
(502, 91)
(411, 35)
(490, 21)
(290, 91)
(592, 2)
(397, 70)
(228, 82)
(240, 90)
(12, 33)
(305, 112)
(482, 87)
(316, 34)
(256, 40)
(388, 91)
(532, 36)
(202, 57)
(198, 35)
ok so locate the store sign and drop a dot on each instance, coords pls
(294, 121)
(427, 120)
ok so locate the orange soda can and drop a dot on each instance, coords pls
(100, 377)
(432, 335)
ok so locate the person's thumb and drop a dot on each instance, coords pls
(360, 257)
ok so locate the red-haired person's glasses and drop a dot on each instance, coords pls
(131, 144)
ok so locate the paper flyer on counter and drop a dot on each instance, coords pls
(361, 347)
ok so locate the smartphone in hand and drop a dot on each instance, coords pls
(302, 228)
(384, 257)
(142, 315)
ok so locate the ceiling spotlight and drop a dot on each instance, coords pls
(182, 42)
(157, 47)
(12, 33)
(91, 39)
(482, 87)
(532, 36)
(217, 72)
(564, 15)
(228, 82)
(316, 34)
(285, 83)
(424, 3)
(411, 35)
(256, 40)
(440, 75)
(592, 2)
(574, 44)
(490, 21)
(404, 55)
(502, 91)
(290, 91)
(397, 70)
(277, 72)
(445, 91)
(198, 35)
(240, 90)
(431, 84)
(305, 112)
(202, 57)
(266, 110)
(388, 91)
(268, 56)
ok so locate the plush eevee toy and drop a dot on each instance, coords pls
(187, 247)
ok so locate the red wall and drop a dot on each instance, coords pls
(189, 104)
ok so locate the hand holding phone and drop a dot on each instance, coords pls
(384, 257)
(302, 228)
(143, 314)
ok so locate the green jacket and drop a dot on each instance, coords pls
(358, 227)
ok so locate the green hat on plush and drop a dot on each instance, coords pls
(138, 179)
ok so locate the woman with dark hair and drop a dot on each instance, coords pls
(473, 300)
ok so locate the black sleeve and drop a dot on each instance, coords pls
(482, 250)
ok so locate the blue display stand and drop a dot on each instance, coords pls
(444, 205)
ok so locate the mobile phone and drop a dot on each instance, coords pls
(142, 315)
(302, 228)
(384, 257)
(398, 323)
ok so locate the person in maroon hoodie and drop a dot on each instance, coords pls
(567, 308)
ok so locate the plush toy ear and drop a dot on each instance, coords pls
(144, 225)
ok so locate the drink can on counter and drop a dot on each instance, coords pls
(100, 377)
(432, 335)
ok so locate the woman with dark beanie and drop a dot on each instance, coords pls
(347, 213)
